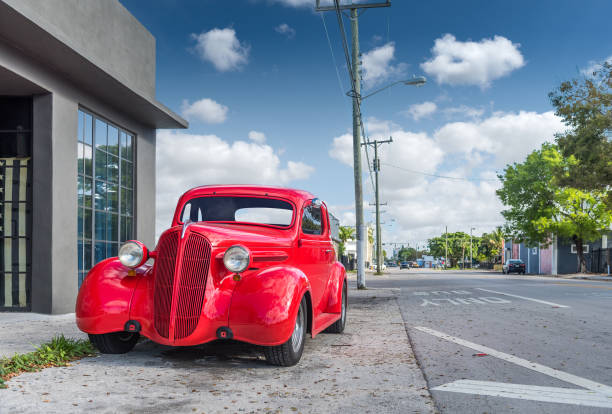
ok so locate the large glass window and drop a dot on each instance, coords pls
(105, 185)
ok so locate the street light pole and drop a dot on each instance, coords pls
(471, 255)
(446, 247)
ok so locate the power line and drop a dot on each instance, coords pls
(440, 176)
(332, 54)
(353, 87)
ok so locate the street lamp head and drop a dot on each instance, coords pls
(417, 81)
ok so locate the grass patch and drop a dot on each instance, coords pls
(56, 353)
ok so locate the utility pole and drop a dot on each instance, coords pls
(355, 93)
(471, 255)
(446, 247)
(376, 166)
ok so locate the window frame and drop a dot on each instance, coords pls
(82, 240)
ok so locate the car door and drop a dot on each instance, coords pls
(313, 251)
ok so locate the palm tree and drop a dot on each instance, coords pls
(345, 234)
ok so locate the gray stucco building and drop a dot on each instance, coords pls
(78, 117)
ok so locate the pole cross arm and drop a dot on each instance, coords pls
(351, 6)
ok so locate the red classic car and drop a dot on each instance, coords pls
(249, 263)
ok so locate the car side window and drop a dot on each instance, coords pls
(311, 220)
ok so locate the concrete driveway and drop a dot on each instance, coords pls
(369, 369)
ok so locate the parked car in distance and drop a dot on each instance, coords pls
(249, 263)
(414, 264)
(391, 264)
(514, 265)
(404, 265)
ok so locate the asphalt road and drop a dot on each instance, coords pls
(534, 332)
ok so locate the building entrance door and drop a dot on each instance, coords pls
(15, 203)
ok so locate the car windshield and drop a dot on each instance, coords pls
(252, 210)
(515, 261)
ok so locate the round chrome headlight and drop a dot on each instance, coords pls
(133, 254)
(236, 259)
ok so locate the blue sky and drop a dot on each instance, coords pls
(257, 81)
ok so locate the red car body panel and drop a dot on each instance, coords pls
(258, 306)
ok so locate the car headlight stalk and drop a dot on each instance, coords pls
(133, 254)
(237, 259)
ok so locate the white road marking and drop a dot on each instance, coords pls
(483, 300)
(543, 369)
(523, 297)
(530, 392)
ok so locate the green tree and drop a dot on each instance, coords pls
(406, 253)
(458, 245)
(345, 233)
(585, 105)
(491, 245)
(540, 205)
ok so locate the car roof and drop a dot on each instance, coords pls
(243, 189)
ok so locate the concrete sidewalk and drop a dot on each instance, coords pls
(369, 369)
(23, 332)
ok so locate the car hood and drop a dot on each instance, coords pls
(252, 236)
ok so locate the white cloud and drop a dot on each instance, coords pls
(222, 48)
(286, 30)
(472, 63)
(594, 66)
(205, 110)
(423, 212)
(507, 137)
(342, 149)
(422, 204)
(185, 161)
(418, 111)
(378, 67)
(410, 150)
(465, 111)
(258, 137)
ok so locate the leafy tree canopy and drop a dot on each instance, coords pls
(540, 205)
(585, 105)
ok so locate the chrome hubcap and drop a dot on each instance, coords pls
(298, 332)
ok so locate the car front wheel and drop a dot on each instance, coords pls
(289, 353)
(115, 342)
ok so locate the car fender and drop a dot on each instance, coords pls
(265, 304)
(337, 279)
(103, 302)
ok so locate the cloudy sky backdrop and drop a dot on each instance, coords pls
(264, 95)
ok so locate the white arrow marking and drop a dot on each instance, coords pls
(534, 366)
(523, 297)
(529, 392)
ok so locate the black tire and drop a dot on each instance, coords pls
(115, 342)
(338, 326)
(289, 353)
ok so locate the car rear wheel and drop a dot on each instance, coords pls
(289, 353)
(115, 342)
(338, 326)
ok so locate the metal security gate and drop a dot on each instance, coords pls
(15, 232)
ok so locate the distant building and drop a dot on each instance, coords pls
(351, 248)
(560, 257)
(78, 116)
